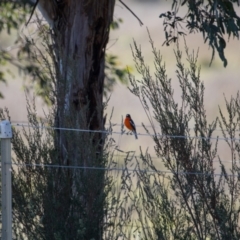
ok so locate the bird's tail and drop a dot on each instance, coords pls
(135, 133)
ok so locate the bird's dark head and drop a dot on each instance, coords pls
(128, 115)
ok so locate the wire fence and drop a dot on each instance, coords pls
(109, 169)
(123, 132)
(159, 160)
(121, 166)
(23, 123)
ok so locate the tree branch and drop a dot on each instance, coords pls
(141, 23)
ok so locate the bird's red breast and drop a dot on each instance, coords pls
(128, 123)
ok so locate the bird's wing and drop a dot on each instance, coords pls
(133, 124)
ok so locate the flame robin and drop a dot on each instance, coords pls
(129, 123)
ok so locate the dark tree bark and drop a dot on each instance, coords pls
(80, 36)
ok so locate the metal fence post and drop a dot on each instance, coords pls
(5, 136)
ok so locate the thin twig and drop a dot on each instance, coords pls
(141, 23)
(33, 10)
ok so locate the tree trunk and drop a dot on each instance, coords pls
(80, 38)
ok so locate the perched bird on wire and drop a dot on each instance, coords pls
(129, 123)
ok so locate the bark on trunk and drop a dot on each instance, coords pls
(80, 39)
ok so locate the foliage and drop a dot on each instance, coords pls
(40, 196)
(12, 16)
(44, 206)
(113, 73)
(63, 202)
(194, 197)
(195, 194)
(116, 23)
(214, 19)
(32, 58)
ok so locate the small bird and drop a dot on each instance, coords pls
(129, 123)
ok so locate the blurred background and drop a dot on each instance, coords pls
(219, 81)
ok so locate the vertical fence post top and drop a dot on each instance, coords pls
(5, 129)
